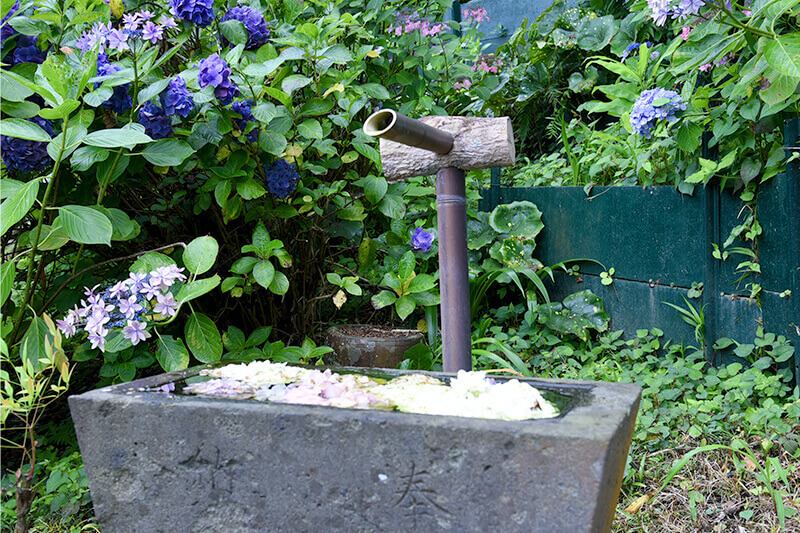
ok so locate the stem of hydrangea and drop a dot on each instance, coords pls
(737, 24)
(20, 311)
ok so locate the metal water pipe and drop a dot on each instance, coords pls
(451, 203)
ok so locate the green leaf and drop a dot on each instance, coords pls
(16, 206)
(520, 219)
(13, 90)
(312, 106)
(196, 288)
(421, 283)
(200, 254)
(203, 338)
(337, 53)
(311, 129)
(375, 188)
(405, 305)
(151, 261)
(75, 135)
(234, 31)
(152, 90)
(172, 354)
(375, 90)
(244, 265)
(780, 88)
(261, 239)
(7, 271)
(367, 252)
(406, 266)
(124, 228)
(272, 142)
(393, 206)
(23, 129)
(33, 344)
(783, 54)
(115, 138)
(98, 96)
(86, 156)
(280, 283)
(382, 299)
(53, 237)
(62, 111)
(167, 152)
(264, 112)
(264, 272)
(117, 342)
(293, 82)
(688, 136)
(579, 313)
(86, 225)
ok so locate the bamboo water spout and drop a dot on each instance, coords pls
(446, 146)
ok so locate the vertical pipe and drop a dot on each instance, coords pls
(451, 203)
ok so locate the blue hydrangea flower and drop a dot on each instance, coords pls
(243, 107)
(27, 51)
(653, 105)
(281, 178)
(156, 123)
(257, 31)
(6, 30)
(25, 156)
(176, 98)
(421, 240)
(120, 100)
(200, 12)
(214, 71)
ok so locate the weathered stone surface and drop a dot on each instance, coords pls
(165, 463)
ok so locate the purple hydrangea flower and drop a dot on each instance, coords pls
(166, 304)
(131, 21)
(176, 98)
(199, 12)
(660, 10)
(21, 155)
(214, 71)
(120, 100)
(646, 111)
(421, 240)
(243, 107)
(168, 23)
(135, 331)
(118, 40)
(156, 123)
(152, 32)
(257, 31)
(688, 8)
(281, 178)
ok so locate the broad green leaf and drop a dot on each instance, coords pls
(167, 152)
(203, 338)
(13, 90)
(151, 261)
(115, 138)
(250, 189)
(244, 265)
(311, 129)
(86, 225)
(7, 271)
(375, 188)
(33, 343)
(53, 237)
(293, 82)
(382, 299)
(783, 54)
(117, 342)
(17, 205)
(153, 90)
(75, 135)
(375, 90)
(264, 113)
(86, 156)
(519, 219)
(367, 252)
(405, 305)
(97, 97)
(420, 283)
(124, 228)
(261, 239)
(201, 254)
(23, 129)
(313, 106)
(234, 31)
(272, 142)
(172, 354)
(393, 206)
(337, 53)
(10, 186)
(264, 272)
(780, 88)
(406, 266)
(62, 111)
(579, 313)
(196, 288)
(280, 283)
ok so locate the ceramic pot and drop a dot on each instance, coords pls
(370, 346)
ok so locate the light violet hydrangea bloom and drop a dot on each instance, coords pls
(654, 105)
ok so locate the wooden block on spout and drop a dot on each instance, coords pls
(478, 143)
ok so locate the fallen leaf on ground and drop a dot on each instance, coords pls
(636, 505)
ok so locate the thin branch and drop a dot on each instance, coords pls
(131, 256)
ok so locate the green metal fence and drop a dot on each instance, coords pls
(659, 243)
